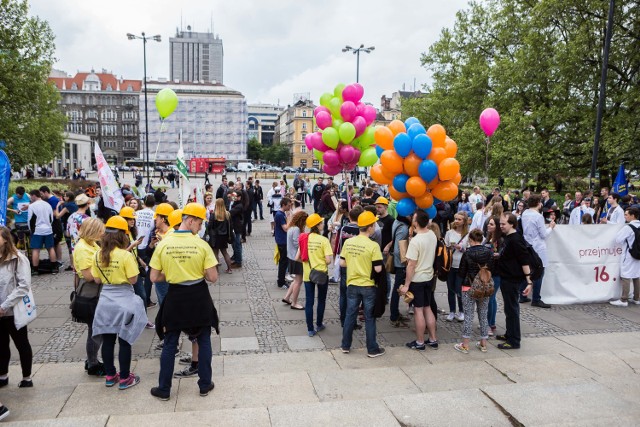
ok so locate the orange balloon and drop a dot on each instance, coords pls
(378, 176)
(445, 191)
(390, 175)
(397, 127)
(395, 194)
(411, 164)
(457, 179)
(416, 186)
(438, 134)
(425, 201)
(437, 155)
(450, 147)
(431, 185)
(392, 161)
(384, 137)
(448, 169)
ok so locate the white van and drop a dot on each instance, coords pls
(245, 167)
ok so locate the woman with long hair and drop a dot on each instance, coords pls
(494, 241)
(119, 314)
(84, 255)
(464, 205)
(453, 239)
(339, 218)
(219, 231)
(135, 204)
(209, 204)
(15, 283)
(295, 228)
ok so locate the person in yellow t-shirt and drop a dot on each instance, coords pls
(320, 255)
(184, 260)
(163, 229)
(84, 255)
(360, 255)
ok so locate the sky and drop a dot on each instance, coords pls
(272, 49)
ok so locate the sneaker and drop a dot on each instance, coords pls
(482, 348)
(460, 317)
(398, 324)
(4, 382)
(415, 346)
(97, 370)
(333, 281)
(35, 272)
(403, 319)
(285, 287)
(633, 301)
(410, 311)
(187, 372)
(205, 391)
(524, 299)
(321, 328)
(150, 325)
(450, 317)
(131, 381)
(432, 344)
(378, 352)
(25, 384)
(86, 365)
(55, 270)
(501, 337)
(619, 303)
(311, 333)
(110, 381)
(69, 268)
(345, 350)
(461, 348)
(185, 360)
(507, 346)
(4, 412)
(155, 392)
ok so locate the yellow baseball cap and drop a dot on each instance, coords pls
(381, 201)
(366, 218)
(313, 220)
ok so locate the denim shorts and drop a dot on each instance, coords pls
(38, 241)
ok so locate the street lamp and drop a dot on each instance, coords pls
(144, 39)
(357, 53)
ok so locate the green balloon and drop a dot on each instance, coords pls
(347, 132)
(325, 98)
(334, 107)
(330, 137)
(356, 143)
(368, 157)
(166, 102)
(318, 155)
(367, 138)
(337, 91)
(337, 123)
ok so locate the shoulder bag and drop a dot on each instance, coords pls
(389, 263)
(84, 299)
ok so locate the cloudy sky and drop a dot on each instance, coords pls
(272, 49)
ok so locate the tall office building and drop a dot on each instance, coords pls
(196, 57)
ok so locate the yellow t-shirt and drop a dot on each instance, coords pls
(84, 255)
(183, 257)
(360, 252)
(122, 266)
(169, 232)
(318, 247)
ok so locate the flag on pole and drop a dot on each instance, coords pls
(5, 177)
(620, 184)
(185, 187)
(111, 194)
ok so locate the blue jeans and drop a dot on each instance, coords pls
(237, 249)
(355, 296)
(139, 290)
(401, 274)
(144, 255)
(124, 355)
(454, 290)
(493, 302)
(343, 295)
(310, 292)
(161, 291)
(168, 358)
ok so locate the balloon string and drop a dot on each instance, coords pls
(486, 160)
(155, 158)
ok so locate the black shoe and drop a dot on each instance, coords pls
(4, 382)
(97, 370)
(205, 391)
(378, 352)
(86, 365)
(4, 412)
(70, 268)
(155, 392)
(501, 337)
(540, 304)
(507, 346)
(523, 300)
(25, 384)
(432, 344)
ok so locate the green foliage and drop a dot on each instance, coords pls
(276, 154)
(538, 63)
(254, 149)
(30, 120)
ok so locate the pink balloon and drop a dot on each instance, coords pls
(360, 124)
(320, 108)
(347, 154)
(308, 141)
(359, 90)
(489, 121)
(360, 108)
(331, 170)
(348, 111)
(331, 158)
(350, 166)
(350, 93)
(323, 120)
(357, 156)
(370, 114)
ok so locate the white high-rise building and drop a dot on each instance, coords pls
(196, 57)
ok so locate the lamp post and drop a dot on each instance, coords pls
(144, 39)
(357, 53)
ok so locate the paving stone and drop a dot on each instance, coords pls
(356, 359)
(273, 363)
(83, 421)
(610, 341)
(257, 417)
(304, 342)
(548, 367)
(239, 344)
(355, 412)
(604, 363)
(237, 332)
(44, 400)
(453, 376)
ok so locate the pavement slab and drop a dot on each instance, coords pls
(548, 367)
(275, 363)
(255, 417)
(84, 421)
(371, 413)
(453, 376)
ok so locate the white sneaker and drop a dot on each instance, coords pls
(410, 310)
(450, 317)
(460, 317)
(619, 303)
(636, 302)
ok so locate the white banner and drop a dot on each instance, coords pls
(111, 194)
(583, 264)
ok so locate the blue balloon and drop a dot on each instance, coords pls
(405, 207)
(410, 121)
(436, 201)
(428, 170)
(422, 145)
(432, 211)
(379, 150)
(402, 144)
(400, 182)
(415, 130)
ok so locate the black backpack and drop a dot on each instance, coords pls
(535, 263)
(442, 261)
(634, 250)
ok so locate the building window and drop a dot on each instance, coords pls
(129, 88)
(303, 149)
(304, 126)
(304, 113)
(303, 163)
(316, 163)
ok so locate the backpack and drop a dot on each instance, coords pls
(443, 260)
(482, 284)
(535, 263)
(634, 250)
(321, 209)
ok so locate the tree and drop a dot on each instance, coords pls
(254, 149)
(538, 63)
(30, 121)
(276, 154)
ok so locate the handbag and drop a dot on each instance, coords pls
(403, 245)
(316, 276)
(84, 301)
(389, 263)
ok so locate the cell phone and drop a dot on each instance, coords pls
(141, 238)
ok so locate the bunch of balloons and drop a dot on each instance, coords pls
(346, 137)
(419, 165)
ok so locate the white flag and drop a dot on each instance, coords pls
(185, 188)
(111, 194)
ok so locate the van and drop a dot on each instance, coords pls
(245, 167)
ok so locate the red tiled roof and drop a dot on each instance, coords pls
(105, 80)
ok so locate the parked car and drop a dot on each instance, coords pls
(231, 169)
(313, 170)
(124, 168)
(289, 169)
(274, 169)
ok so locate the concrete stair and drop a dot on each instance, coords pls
(576, 380)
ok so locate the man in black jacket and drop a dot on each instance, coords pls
(257, 201)
(248, 207)
(316, 193)
(237, 215)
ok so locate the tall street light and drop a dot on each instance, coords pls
(357, 53)
(144, 39)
